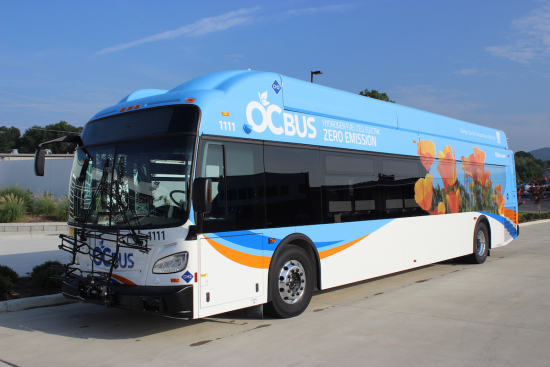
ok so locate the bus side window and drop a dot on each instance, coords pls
(245, 186)
(350, 190)
(293, 186)
(397, 179)
(213, 167)
(237, 173)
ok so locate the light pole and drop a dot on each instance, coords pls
(315, 73)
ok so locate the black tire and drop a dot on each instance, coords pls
(292, 263)
(481, 244)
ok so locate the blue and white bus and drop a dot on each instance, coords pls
(245, 188)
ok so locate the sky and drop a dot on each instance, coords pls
(483, 61)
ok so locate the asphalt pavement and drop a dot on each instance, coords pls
(447, 314)
(23, 251)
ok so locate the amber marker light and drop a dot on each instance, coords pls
(137, 106)
(122, 109)
(271, 240)
(174, 280)
(189, 100)
(225, 113)
(129, 108)
(414, 141)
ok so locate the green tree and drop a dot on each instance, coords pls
(528, 168)
(376, 94)
(37, 135)
(9, 138)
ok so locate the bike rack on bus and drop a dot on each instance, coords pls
(94, 284)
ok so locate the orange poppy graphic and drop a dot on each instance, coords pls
(423, 192)
(474, 163)
(447, 166)
(499, 198)
(426, 151)
(453, 199)
(483, 177)
(439, 209)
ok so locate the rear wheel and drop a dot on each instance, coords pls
(291, 281)
(481, 244)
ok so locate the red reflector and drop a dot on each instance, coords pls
(122, 109)
(175, 280)
(195, 277)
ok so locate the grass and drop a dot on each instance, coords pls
(16, 202)
(19, 192)
(62, 211)
(12, 209)
(44, 204)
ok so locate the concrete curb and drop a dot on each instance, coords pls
(34, 227)
(540, 221)
(34, 302)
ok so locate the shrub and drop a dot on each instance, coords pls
(62, 212)
(41, 274)
(45, 204)
(12, 209)
(6, 286)
(526, 217)
(19, 192)
(6, 271)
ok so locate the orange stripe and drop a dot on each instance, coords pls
(336, 250)
(510, 214)
(119, 278)
(123, 280)
(253, 261)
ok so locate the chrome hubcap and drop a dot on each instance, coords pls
(292, 281)
(480, 243)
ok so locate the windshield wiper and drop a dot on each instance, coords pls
(100, 187)
(123, 206)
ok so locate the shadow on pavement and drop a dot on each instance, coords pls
(85, 321)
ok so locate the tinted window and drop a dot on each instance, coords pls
(397, 179)
(237, 186)
(293, 186)
(141, 124)
(350, 188)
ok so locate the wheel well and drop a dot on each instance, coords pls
(308, 246)
(483, 219)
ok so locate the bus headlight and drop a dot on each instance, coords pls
(171, 264)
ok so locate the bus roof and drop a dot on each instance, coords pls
(228, 89)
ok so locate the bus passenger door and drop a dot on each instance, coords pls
(231, 261)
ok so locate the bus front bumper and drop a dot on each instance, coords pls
(173, 301)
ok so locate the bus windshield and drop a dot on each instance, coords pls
(142, 182)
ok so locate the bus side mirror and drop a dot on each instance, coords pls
(39, 161)
(202, 195)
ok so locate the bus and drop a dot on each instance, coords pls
(246, 188)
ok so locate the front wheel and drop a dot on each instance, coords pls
(291, 281)
(481, 244)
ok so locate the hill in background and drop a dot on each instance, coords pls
(542, 153)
